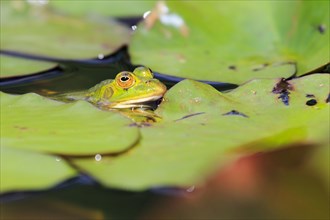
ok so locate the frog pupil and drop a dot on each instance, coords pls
(124, 78)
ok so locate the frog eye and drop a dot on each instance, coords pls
(143, 72)
(125, 80)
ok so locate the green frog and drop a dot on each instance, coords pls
(130, 93)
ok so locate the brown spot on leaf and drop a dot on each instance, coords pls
(321, 28)
(283, 88)
(232, 67)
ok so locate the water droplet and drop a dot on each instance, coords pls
(145, 14)
(134, 27)
(98, 157)
(58, 159)
(100, 56)
(190, 189)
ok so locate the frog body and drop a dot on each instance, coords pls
(129, 90)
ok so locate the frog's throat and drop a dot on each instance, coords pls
(135, 102)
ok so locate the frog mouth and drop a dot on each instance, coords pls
(148, 102)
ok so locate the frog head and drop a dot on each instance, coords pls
(128, 90)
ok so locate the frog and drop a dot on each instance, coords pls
(131, 93)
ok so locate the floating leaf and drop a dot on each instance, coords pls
(11, 66)
(26, 170)
(234, 41)
(106, 8)
(37, 30)
(33, 122)
(203, 128)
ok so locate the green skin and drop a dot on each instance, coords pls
(112, 94)
(129, 91)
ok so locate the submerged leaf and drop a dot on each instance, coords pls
(234, 41)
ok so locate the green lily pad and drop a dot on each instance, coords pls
(11, 66)
(105, 8)
(33, 122)
(203, 129)
(235, 41)
(36, 30)
(26, 170)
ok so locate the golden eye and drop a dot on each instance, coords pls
(125, 80)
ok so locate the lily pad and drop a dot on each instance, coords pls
(234, 41)
(33, 122)
(105, 8)
(11, 66)
(39, 31)
(203, 129)
(26, 170)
